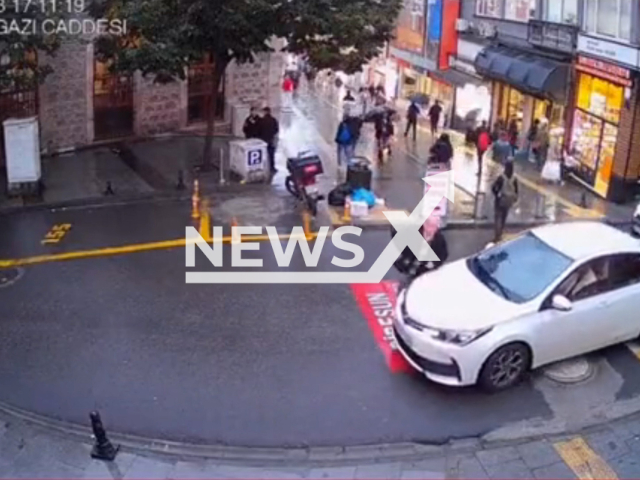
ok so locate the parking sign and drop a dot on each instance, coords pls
(254, 158)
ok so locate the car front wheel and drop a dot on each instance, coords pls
(506, 367)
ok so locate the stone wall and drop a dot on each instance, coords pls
(159, 108)
(256, 83)
(65, 98)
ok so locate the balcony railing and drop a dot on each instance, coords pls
(553, 36)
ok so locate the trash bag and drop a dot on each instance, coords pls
(364, 195)
(338, 196)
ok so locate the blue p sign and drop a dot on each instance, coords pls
(254, 158)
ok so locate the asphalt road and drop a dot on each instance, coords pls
(239, 364)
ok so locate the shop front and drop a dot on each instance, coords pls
(599, 106)
(525, 87)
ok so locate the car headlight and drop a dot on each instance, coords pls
(459, 337)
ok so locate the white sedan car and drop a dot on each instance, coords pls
(550, 294)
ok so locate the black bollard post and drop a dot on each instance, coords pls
(109, 189)
(180, 185)
(102, 449)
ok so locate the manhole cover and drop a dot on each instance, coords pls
(574, 370)
(8, 276)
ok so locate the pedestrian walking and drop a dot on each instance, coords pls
(434, 117)
(384, 131)
(483, 143)
(532, 134)
(541, 144)
(363, 97)
(252, 124)
(269, 131)
(355, 127)
(344, 140)
(513, 136)
(505, 192)
(412, 119)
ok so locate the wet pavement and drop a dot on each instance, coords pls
(276, 365)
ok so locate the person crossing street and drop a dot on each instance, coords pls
(505, 192)
(412, 119)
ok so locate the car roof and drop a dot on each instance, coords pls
(580, 240)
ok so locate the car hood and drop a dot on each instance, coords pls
(453, 298)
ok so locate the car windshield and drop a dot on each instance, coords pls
(519, 270)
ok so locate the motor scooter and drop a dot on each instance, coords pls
(301, 181)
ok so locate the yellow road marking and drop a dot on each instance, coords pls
(584, 462)
(56, 233)
(134, 248)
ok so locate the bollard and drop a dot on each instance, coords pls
(221, 166)
(109, 189)
(102, 449)
(195, 201)
(205, 221)
(306, 224)
(479, 206)
(235, 238)
(180, 185)
(540, 208)
(346, 215)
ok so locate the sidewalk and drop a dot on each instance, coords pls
(34, 450)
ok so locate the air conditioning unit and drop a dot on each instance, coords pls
(462, 25)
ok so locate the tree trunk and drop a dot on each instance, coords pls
(211, 107)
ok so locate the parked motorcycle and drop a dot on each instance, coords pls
(301, 181)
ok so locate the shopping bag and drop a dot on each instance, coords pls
(552, 171)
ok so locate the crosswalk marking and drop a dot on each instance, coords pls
(584, 462)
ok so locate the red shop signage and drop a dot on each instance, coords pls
(604, 70)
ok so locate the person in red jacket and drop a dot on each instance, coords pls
(287, 85)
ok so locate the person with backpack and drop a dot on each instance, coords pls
(483, 142)
(344, 140)
(505, 193)
(412, 119)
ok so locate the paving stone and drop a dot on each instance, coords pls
(422, 475)
(511, 469)
(334, 473)
(465, 466)
(53, 470)
(558, 470)
(496, 456)
(232, 471)
(634, 444)
(606, 444)
(379, 470)
(98, 469)
(538, 454)
(268, 474)
(626, 466)
(193, 471)
(143, 468)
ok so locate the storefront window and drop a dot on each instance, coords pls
(520, 10)
(600, 97)
(489, 8)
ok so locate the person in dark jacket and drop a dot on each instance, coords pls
(384, 131)
(513, 136)
(269, 130)
(434, 117)
(505, 191)
(442, 150)
(409, 265)
(252, 124)
(412, 119)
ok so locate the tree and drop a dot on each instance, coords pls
(22, 38)
(171, 34)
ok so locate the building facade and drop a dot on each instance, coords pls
(81, 102)
(575, 63)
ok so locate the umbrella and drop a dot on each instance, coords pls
(376, 112)
(420, 98)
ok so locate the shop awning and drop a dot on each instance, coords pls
(525, 71)
(455, 77)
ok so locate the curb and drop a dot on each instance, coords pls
(314, 456)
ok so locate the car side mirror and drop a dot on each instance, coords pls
(561, 303)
